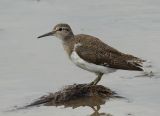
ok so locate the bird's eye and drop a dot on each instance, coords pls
(60, 29)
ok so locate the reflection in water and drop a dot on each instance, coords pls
(78, 95)
(93, 102)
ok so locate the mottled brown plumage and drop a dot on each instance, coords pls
(93, 51)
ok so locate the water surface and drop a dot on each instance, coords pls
(30, 68)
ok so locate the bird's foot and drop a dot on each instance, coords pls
(93, 83)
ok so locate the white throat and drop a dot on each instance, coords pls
(61, 37)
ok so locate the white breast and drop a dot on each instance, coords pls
(89, 66)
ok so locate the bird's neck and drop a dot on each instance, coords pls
(68, 45)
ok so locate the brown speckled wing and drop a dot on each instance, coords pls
(95, 51)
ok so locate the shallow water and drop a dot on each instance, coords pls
(30, 68)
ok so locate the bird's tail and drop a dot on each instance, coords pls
(144, 65)
(136, 62)
(148, 69)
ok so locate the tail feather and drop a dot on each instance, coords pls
(136, 63)
(148, 69)
(141, 65)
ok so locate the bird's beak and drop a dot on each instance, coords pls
(47, 34)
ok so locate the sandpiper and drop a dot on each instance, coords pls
(91, 54)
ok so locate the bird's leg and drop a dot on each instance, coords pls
(98, 107)
(93, 108)
(97, 79)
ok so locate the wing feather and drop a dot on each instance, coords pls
(97, 52)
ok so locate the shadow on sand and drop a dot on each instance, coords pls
(77, 95)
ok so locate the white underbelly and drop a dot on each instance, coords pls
(89, 66)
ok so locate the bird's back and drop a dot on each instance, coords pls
(93, 50)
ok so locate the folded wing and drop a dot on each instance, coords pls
(99, 53)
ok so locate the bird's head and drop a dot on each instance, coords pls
(61, 31)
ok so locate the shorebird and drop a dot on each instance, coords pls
(91, 54)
